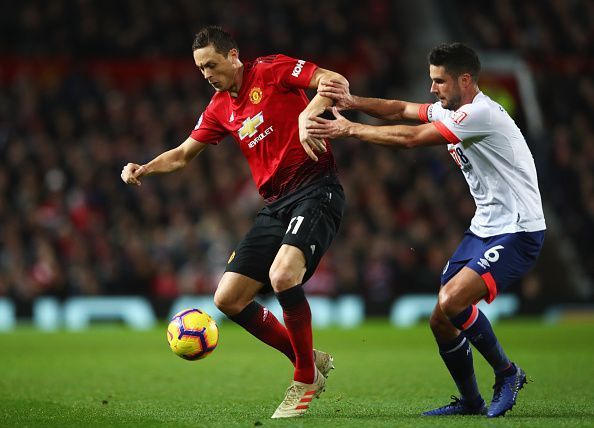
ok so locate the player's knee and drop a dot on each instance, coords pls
(435, 323)
(438, 322)
(447, 302)
(226, 304)
(441, 327)
(282, 278)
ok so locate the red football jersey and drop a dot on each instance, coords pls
(263, 119)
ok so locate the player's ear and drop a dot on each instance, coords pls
(233, 56)
(465, 80)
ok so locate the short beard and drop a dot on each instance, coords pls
(453, 104)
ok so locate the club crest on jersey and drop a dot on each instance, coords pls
(255, 95)
(249, 127)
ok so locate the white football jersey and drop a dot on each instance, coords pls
(493, 155)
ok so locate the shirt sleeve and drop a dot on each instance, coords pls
(470, 120)
(433, 112)
(208, 129)
(292, 73)
(424, 112)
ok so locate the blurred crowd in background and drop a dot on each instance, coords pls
(70, 226)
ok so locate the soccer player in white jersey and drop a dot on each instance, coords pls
(506, 232)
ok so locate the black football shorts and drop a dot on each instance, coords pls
(307, 219)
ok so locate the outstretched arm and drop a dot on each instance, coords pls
(316, 107)
(168, 161)
(339, 91)
(402, 136)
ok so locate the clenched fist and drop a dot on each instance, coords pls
(132, 172)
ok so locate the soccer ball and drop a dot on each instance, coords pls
(192, 334)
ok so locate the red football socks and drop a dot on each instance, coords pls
(297, 317)
(261, 323)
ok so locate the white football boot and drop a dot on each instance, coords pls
(324, 362)
(299, 396)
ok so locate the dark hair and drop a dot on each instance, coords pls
(215, 36)
(456, 58)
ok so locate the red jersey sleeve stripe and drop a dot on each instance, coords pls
(424, 112)
(446, 133)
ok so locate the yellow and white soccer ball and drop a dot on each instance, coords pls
(192, 334)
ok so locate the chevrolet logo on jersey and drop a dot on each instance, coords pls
(249, 126)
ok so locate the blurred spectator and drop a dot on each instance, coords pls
(86, 86)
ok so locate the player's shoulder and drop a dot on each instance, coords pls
(262, 65)
(270, 67)
(217, 101)
(478, 110)
(264, 60)
(271, 61)
(480, 103)
(218, 98)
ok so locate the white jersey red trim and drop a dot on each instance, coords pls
(497, 164)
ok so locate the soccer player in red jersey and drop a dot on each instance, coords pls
(263, 106)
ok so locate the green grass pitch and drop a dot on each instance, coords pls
(384, 377)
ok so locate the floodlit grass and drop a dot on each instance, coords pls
(112, 376)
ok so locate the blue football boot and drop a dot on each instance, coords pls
(458, 407)
(506, 392)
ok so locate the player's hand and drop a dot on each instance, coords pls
(325, 128)
(132, 172)
(338, 91)
(310, 144)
